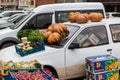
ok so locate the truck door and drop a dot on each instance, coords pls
(91, 41)
(115, 32)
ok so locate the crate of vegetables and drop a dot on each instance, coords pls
(29, 47)
(21, 65)
(33, 74)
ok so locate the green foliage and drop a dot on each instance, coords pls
(36, 35)
(23, 33)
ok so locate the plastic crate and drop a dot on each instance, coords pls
(101, 63)
(22, 52)
(107, 75)
(35, 65)
(10, 76)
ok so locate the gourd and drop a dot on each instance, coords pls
(51, 27)
(95, 17)
(57, 27)
(53, 38)
(72, 17)
(47, 34)
(82, 18)
(63, 26)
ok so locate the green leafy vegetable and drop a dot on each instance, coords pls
(24, 33)
(36, 35)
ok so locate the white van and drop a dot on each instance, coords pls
(42, 16)
(67, 58)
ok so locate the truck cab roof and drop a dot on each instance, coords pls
(69, 6)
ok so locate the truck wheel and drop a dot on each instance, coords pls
(51, 71)
(7, 44)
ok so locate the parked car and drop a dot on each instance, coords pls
(9, 13)
(42, 16)
(112, 15)
(4, 19)
(11, 17)
(66, 59)
(12, 21)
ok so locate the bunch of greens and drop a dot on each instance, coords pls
(36, 35)
(23, 33)
(32, 35)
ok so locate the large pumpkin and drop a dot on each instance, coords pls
(57, 27)
(95, 17)
(47, 34)
(72, 17)
(53, 38)
(51, 27)
(63, 26)
(82, 18)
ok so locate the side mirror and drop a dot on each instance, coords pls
(73, 46)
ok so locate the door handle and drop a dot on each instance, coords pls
(108, 50)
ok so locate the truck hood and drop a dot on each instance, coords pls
(5, 30)
(9, 53)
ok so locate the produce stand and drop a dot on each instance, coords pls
(28, 74)
(24, 70)
(23, 52)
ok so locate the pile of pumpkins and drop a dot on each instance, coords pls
(84, 18)
(53, 33)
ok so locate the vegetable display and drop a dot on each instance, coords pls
(32, 35)
(55, 32)
(84, 17)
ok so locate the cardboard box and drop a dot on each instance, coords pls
(101, 63)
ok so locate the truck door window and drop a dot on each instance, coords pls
(62, 16)
(41, 21)
(92, 36)
(115, 31)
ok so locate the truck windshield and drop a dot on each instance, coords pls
(21, 21)
(65, 36)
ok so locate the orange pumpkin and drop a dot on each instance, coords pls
(58, 28)
(77, 13)
(82, 18)
(63, 26)
(72, 17)
(51, 27)
(95, 17)
(47, 34)
(54, 37)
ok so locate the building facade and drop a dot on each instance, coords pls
(110, 5)
(9, 4)
(27, 4)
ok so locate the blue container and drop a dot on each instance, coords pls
(10, 77)
(22, 52)
(101, 63)
(106, 75)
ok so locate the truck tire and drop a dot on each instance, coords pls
(7, 44)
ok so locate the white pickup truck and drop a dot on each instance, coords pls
(67, 58)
